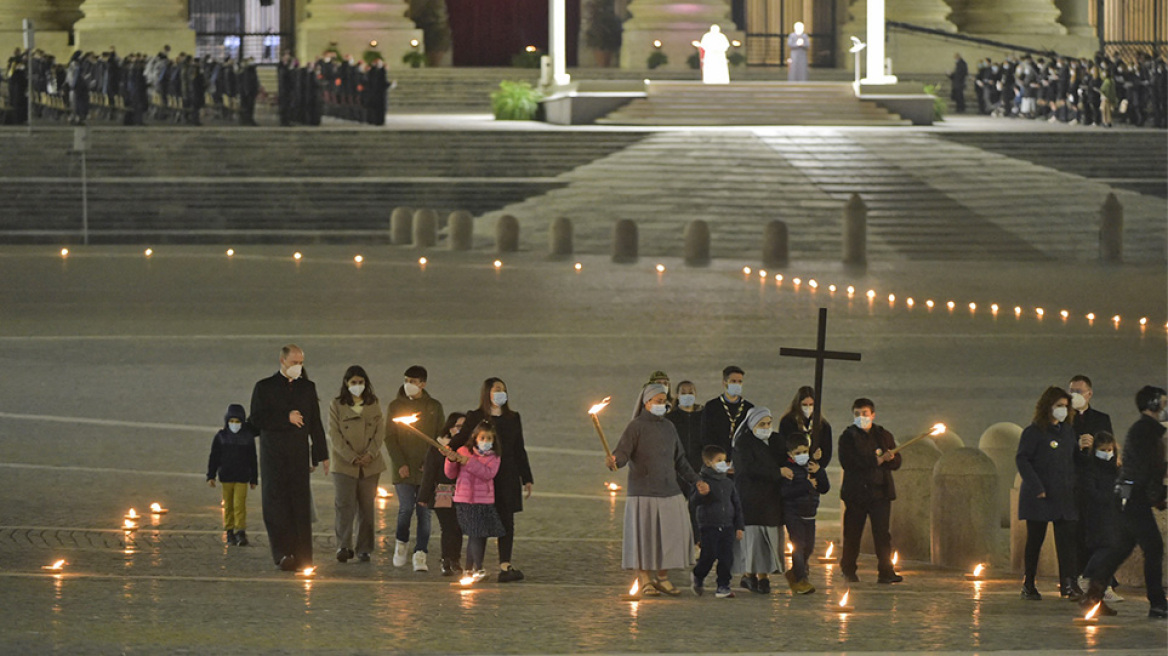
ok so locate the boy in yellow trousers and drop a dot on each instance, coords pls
(233, 461)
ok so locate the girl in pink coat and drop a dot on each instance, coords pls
(473, 467)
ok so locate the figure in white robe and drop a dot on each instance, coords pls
(797, 43)
(715, 68)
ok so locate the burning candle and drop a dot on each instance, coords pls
(634, 593)
(895, 557)
(1064, 314)
(797, 281)
(1090, 317)
(746, 271)
(929, 304)
(129, 525)
(871, 294)
(64, 252)
(297, 256)
(498, 264)
(660, 268)
(813, 284)
(383, 493)
(909, 302)
(1017, 310)
(132, 514)
(1115, 320)
(950, 305)
(762, 274)
(55, 567)
(976, 574)
(579, 266)
(842, 606)
(1040, 312)
(779, 278)
(157, 509)
(230, 252)
(994, 308)
(1091, 618)
(831, 288)
(973, 307)
(826, 558)
(422, 262)
(307, 572)
(891, 299)
(594, 412)
(148, 252)
(851, 290)
(358, 258)
(612, 488)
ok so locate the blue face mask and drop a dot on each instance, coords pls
(234, 426)
(484, 447)
(802, 459)
(722, 467)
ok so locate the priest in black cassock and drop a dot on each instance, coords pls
(286, 410)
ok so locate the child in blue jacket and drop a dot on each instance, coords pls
(800, 504)
(233, 461)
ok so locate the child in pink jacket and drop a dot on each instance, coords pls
(473, 467)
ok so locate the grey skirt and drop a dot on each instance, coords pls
(758, 551)
(658, 533)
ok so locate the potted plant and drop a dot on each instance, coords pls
(656, 58)
(515, 101)
(603, 34)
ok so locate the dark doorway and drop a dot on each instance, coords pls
(491, 32)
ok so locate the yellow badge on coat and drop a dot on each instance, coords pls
(1054, 444)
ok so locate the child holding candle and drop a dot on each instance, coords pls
(800, 504)
(719, 519)
(233, 461)
(473, 468)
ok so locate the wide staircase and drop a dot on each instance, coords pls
(751, 103)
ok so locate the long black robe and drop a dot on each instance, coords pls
(285, 457)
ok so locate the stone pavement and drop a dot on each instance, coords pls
(118, 367)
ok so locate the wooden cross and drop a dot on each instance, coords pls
(820, 354)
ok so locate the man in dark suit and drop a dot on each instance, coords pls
(868, 490)
(957, 78)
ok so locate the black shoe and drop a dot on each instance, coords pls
(1030, 593)
(231, 537)
(447, 568)
(363, 557)
(1157, 613)
(510, 575)
(288, 563)
(344, 554)
(851, 577)
(241, 538)
(887, 579)
(764, 586)
(1070, 590)
(749, 582)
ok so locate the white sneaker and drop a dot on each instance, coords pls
(420, 562)
(1111, 595)
(399, 554)
(480, 575)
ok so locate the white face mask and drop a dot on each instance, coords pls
(722, 467)
(234, 426)
(658, 409)
(762, 433)
(295, 370)
(1105, 455)
(734, 389)
(484, 447)
(1078, 401)
(1060, 413)
(356, 390)
(807, 410)
(499, 398)
(863, 422)
(687, 400)
(802, 459)
(411, 389)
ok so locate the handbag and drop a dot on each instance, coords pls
(444, 495)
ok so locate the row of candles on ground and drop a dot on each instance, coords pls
(130, 523)
(812, 284)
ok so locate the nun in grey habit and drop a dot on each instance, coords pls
(658, 535)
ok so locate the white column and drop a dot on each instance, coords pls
(135, 26)
(1076, 16)
(876, 45)
(353, 25)
(558, 42)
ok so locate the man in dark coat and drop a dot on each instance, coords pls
(868, 490)
(957, 78)
(1088, 423)
(286, 88)
(377, 85)
(249, 89)
(1140, 489)
(286, 410)
(721, 416)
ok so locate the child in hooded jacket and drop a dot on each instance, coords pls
(233, 461)
(800, 495)
(473, 468)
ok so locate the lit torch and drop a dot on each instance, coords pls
(594, 412)
(934, 432)
(408, 423)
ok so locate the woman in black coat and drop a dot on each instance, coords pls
(798, 421)
(1046, 460)
(433, 475)
(759, 455)
(513, 482)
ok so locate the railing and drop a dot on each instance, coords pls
(1012, 47)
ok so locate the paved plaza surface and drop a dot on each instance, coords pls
(117, 368)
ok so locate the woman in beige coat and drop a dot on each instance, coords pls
(356, 433)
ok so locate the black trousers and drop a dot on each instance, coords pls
(717, 545)
(451, 534)
(1137, 525)
(856, 514)
(1065, 544)
(801, 533)
(476, 549)
(507, 542)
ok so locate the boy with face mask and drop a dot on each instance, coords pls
(720, 522)
(867, 490)
(800, 504)
(233, 461)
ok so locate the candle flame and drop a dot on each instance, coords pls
(895, 557)
(633, 591)
(64, 252)
(937, 429)
(422, 261)
(812, 284)
(408, 420)
(762, 273)
(57, 566)
(133, 514)
(830, 549)
(308, 571)
(467, 580)
(600, 406)
(358, 258)
(790, 548)
(1094, 609)
(498, 264)
(929, 304)
(156, 507)
(843, 602)
(978, 569)
(129, 525)
(831, 288)
(230, 252)
(383, 493)
(297, 255)
(746, 270)
(797, 281)
(612, 487)
(660, 268)
(579, 266)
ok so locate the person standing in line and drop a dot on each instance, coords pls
(957, 78)
(722, 416)
(1087, 423)
(356, 433)
(868, 490)
(758, 473)
(286, 410)
(798, 420)
(408, 454)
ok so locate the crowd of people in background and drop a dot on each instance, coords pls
(1099, 91)
(342, 87)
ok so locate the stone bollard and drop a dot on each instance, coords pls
(425, 229)
(948, 441)
(697, 243)
(1000, 443)
(401, 225)
(507, 234)
(965, 510)
(1048, 558)
(461, 231)
(624, 241)
(1111, 230)
(856, 232)
(775, 246)
(560, 238)
(912, 510)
